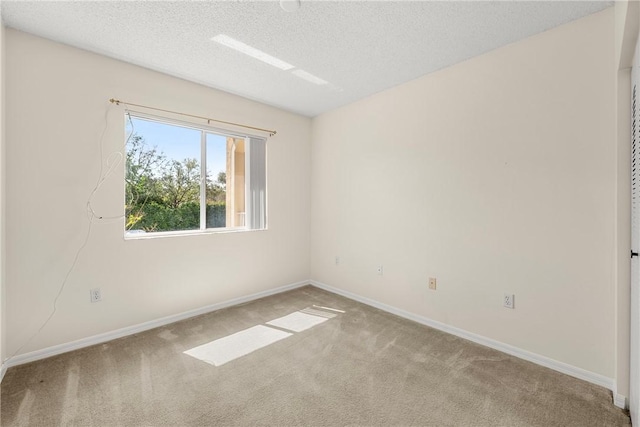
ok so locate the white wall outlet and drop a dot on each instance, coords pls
(96, 295)
(337, 260)
(432, 283)
(379, 270)
(508, 300)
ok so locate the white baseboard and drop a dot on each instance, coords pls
(609, 383)
(619, 400)
(129, 330)
(547, 362)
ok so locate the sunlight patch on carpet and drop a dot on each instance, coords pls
(329, 308)
(226, 349)
(241, 343)
(298, 321)
(316, 312)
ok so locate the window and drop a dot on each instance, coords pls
(180, 177)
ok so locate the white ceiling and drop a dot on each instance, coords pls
(359, 47)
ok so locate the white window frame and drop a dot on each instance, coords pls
(203, 129)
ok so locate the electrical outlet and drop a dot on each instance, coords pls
(337, 260)
(379, 270)
(432, 283)
(508, 300)
(96, 295)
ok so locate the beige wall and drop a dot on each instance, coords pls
(623, 230)
(511, 166)
(627, 19)
(58, 98)
(2, 197)
(626, 31)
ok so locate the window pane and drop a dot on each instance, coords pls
(216, 180)
(162, 177)
(225, 182)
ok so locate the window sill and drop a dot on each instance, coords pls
(164, 234)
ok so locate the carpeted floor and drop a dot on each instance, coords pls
(360, 367)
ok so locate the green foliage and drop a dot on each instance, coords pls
(164, 195)
(216, 215)
(141, 162)
(154, 216)
(216, 191)
(180, 183)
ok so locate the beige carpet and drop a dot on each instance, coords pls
(360, 367)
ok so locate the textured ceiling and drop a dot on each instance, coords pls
(358, 47)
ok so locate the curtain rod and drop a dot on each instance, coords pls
(209, 120)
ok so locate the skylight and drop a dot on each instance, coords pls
(309, 77)
(225, 40)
